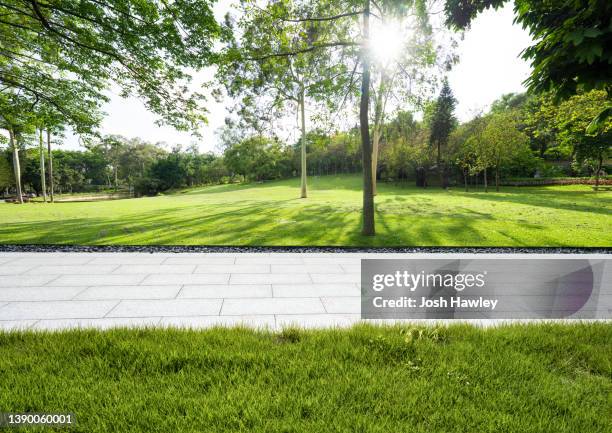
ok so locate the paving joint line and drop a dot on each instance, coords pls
(179, 292)
(111, 310)
(82, 291)
(52, 280)
(221, 307)
(26, 270)
(323, 304)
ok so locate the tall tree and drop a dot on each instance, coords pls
(41, 151)
(16, 117)
(405, 71)
(442, 123)
(267, 83)
(503, 140)
(573, 117)
(348, 40)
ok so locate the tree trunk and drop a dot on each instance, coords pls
(16, 166)
(377, 129)
(599, 165)
(368, 228)
(304, 191)
(486, 186)
(465, 180)
(375, 142)
(497, 178)
(50, 155)
(41, 149)
(439, 163)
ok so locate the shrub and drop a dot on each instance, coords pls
(149, 186)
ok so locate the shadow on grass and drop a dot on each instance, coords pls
(409, 217)
(550, 199)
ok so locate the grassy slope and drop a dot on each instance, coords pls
(271, 214)
(535, 378)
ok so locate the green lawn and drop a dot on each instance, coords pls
(531, 378)
(271, 214)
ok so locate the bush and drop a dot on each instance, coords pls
(149, 186)
(548, 170)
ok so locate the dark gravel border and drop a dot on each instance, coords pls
(272, 249)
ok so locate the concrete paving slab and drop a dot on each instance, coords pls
(56, 310)
(166, 279)
(305, 269)
(48, 259)
(98, 280)
(232, 269)
(249, 306)
(26, 280)
(128, 260)
(342, 304)
(200, 260)
(167, 307)
(314, 290)
(9, 269)
(335, 278)
(72, 270)
(16, 325)
(129, 292)
(154, 269)
(277, 259)
(270, 279)
(226, 291)
(43, 293)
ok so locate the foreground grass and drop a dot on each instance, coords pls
(271, 214)
(536, 378)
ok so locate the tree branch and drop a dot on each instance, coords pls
(306, 50)
(330, 18)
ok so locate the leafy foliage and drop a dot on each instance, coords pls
(51, 48)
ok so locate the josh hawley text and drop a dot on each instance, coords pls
(425, 302)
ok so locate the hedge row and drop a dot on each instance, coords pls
(557, 181)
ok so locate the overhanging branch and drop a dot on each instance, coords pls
(306, 50)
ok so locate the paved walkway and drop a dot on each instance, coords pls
(102, 290)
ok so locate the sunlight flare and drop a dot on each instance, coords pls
(387, 41)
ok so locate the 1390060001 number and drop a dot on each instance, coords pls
(15, 419)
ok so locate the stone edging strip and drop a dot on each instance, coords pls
(294, 249)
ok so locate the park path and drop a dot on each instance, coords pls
(101, 290)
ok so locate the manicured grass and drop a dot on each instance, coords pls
(271, 214)
(533, 378)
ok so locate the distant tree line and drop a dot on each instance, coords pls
(520, 136)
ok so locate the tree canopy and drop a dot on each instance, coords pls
(144, 47)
